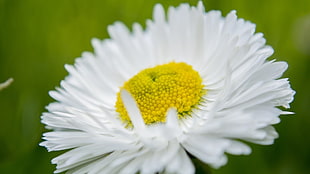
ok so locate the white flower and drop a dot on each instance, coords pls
(191, 82)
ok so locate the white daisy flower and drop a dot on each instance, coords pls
(191, 82)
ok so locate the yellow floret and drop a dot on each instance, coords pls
(172, 85)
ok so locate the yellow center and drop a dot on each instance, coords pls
(172, 85)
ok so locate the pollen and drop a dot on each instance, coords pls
(155, 90)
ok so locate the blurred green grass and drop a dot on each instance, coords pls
(38, 37)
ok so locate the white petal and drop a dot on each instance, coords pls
(181, 164)
(238, 148)
(208, 149)
(133, 111)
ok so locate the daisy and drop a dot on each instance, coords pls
(191, 82)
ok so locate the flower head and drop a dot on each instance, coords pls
(192, 82)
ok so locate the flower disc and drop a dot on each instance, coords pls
(172, 85)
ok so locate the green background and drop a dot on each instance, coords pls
(38, 37)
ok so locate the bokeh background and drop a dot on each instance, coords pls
(37, 37)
